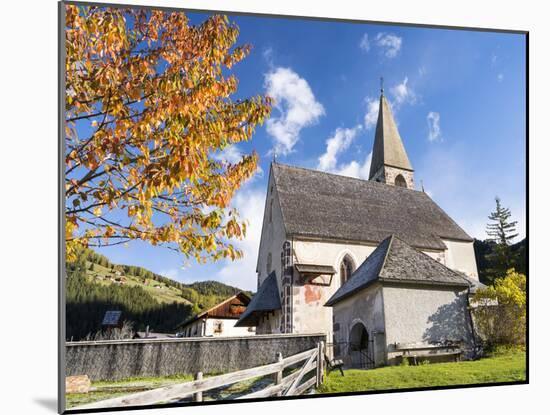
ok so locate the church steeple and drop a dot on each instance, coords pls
(390, 163)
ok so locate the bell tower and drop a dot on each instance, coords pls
(390, 163)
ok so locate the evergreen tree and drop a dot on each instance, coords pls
(501, 230)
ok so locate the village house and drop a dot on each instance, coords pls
(219, 320)
(320, 263)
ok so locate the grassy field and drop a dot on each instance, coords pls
(505, 366)
(508, 366)
(164, 293)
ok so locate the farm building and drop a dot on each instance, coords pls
(219, 320)
(318, 230)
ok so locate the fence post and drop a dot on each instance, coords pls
(319, 374)
(279, 374)
(198, 395)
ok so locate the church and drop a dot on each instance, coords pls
(374, 264)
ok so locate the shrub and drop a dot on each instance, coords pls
(499, 311)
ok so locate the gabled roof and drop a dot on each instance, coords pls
(224, 309)
(388, 147)
(396, 261)
(328, 206)
(265, 300)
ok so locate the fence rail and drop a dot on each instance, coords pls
(284, 385)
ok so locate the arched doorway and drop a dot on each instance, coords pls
(360, 347)
(400, 181)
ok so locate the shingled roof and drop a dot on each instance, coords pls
(265, 300)
(323, 205)
(396, 261)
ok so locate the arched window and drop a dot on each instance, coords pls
(400, 181)
(346, 269)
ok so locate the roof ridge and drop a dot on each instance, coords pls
(374, 182)
(392, 236)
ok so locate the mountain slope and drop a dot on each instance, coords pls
(96, 285)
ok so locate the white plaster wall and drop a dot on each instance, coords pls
(366, 307)
(425, 315)
(229, 328)
(460, 256)
(310, 315)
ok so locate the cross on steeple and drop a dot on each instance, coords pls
(381, 85)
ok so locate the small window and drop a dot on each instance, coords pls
(218, 327)
(270, 210)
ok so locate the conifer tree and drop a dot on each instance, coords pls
(501, 230)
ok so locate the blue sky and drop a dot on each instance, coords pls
(458, 98)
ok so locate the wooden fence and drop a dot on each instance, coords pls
(292, 384)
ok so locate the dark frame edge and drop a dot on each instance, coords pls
(61, 330)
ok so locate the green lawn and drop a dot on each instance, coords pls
(508, 366)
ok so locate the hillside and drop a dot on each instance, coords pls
(95, 285)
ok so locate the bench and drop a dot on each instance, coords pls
(423, 350)
(334, 364)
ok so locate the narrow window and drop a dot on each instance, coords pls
(270, 210)
(346, 269)
(268, 264)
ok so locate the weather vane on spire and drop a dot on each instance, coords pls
(382, 85)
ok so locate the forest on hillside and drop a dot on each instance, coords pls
(87, 300)
(485, 252)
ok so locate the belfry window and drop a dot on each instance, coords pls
(346, 269)
(400, 181)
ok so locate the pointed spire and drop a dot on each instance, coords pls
(388, 149)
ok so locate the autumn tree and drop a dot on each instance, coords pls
(149, 107)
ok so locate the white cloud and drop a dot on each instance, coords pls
(500, 77)
(371, 115)
(364, 45)
(241, 273)
(336, 144)
(356, 169)
(267, 54)
(434, 130)
(297, 108)
(231, 154)
(403, 93)
(389, 43)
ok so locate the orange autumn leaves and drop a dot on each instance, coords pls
(148, 104)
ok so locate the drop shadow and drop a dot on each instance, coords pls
(48, 403)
